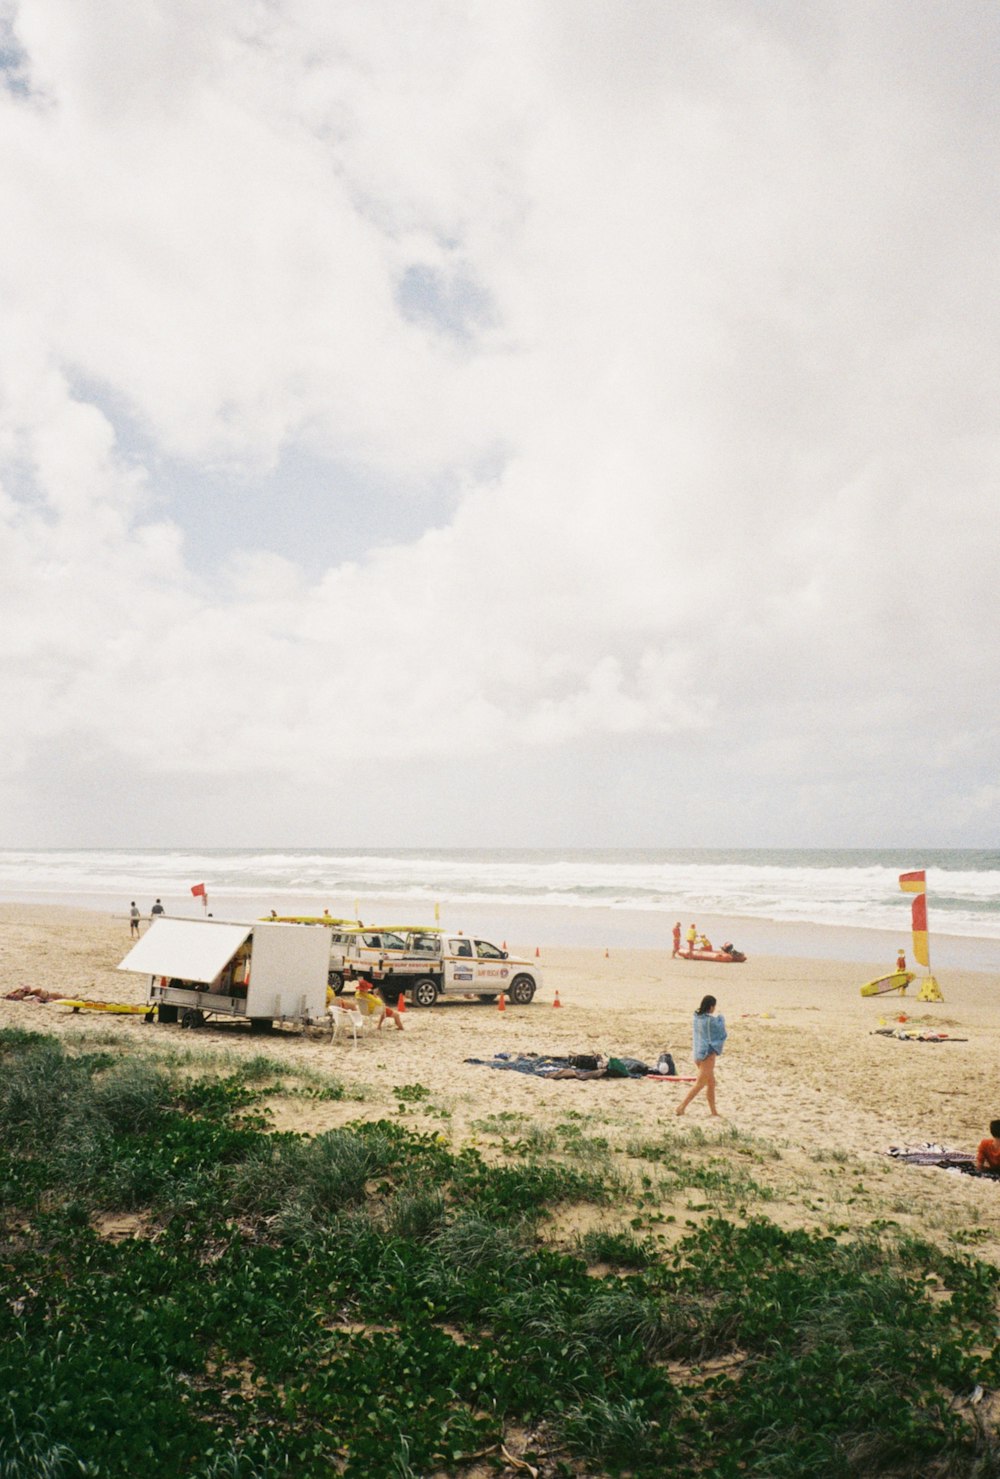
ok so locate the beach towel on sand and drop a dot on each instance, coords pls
(548, 1065)
(932, 1154)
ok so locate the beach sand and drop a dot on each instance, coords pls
(810, 1095)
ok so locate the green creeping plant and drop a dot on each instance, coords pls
(187, 1293)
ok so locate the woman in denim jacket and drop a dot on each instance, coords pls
(708, 1036)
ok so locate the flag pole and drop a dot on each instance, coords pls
(916, 884)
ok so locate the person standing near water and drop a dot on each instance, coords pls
(133, 919)
(707, 1038)
(677, 939)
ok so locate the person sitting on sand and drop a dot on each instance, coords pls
(707, 1037)
(988, 1154)
(368, 1002)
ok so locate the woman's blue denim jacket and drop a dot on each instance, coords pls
(708, 1035)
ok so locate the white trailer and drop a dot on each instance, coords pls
(261, 973)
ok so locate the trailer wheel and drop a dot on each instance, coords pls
(424, 992)
(336, 980)
(192, 1017)
(522, 989)
(260, 1024)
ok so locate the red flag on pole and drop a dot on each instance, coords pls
(198, 888)
(913, 883)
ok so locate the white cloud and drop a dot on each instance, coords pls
(710, 293)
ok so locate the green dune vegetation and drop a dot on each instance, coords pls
(187, 1291)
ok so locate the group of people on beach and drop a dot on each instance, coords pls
(135, 916)
(698, 945)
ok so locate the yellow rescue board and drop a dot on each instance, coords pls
(895, 981)
(349, 924)
(99, 1006)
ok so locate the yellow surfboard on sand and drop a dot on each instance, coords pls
(99, 1006)
(895, 981)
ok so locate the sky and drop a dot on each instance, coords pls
(554, 423)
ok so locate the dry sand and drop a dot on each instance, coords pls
(811, 1096)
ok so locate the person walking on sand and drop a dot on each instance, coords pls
(133, 919)
(156, 911)
(677, 940)
(692, 938)
(707, 1038)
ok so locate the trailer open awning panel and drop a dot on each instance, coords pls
(186, 949)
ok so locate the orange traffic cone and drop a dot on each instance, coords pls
(501, 1004)
(537, 952)
(557, 1002)
(401, 1003)
(505, 944)
(605, 955)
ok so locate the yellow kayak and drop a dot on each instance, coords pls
(894, 981)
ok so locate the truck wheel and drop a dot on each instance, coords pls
(424, 992)
(192, 1017)
(522, 989)
(336, 980)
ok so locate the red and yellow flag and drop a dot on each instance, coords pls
(920, 951)
(913, 883)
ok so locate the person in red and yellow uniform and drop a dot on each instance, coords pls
(988, 1154)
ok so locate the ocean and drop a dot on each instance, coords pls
(574, 896)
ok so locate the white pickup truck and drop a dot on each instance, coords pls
(438, 963)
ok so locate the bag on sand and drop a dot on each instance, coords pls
(665, 1065)
(583, 1060)
(627, 1068)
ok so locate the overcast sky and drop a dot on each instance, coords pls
(556, 422)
